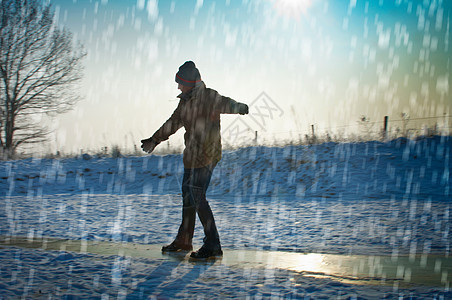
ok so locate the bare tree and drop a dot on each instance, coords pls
(40, 67)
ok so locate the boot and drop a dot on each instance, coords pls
(205, 252)
(174, 247)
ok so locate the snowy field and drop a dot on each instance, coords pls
(368, 198)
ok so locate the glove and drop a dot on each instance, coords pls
(242, 109)
(148, 145)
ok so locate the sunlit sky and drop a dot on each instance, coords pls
(322, 62)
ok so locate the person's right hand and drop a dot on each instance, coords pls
(148, 145)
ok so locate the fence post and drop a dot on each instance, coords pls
(385, 127)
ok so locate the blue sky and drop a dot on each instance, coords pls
(323, 62)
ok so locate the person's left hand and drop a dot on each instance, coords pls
(243, 109)
(148, 145)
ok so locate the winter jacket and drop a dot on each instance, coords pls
(199, 113)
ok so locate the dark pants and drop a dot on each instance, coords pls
(194, 187)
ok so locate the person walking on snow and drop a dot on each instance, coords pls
(198, 112)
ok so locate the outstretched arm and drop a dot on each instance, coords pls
(226, 105)
(163, 133)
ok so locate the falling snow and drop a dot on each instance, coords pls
(333, 67)
(371, 198)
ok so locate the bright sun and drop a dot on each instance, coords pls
(292, 8)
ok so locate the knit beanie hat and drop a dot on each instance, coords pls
(188, 74)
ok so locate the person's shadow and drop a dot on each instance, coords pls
(161, 282)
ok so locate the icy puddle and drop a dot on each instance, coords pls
(425, 270)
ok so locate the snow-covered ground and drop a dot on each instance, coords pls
(369, 198)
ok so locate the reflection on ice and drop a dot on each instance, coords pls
(357, 269)
(311, 262)
(424, 270)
